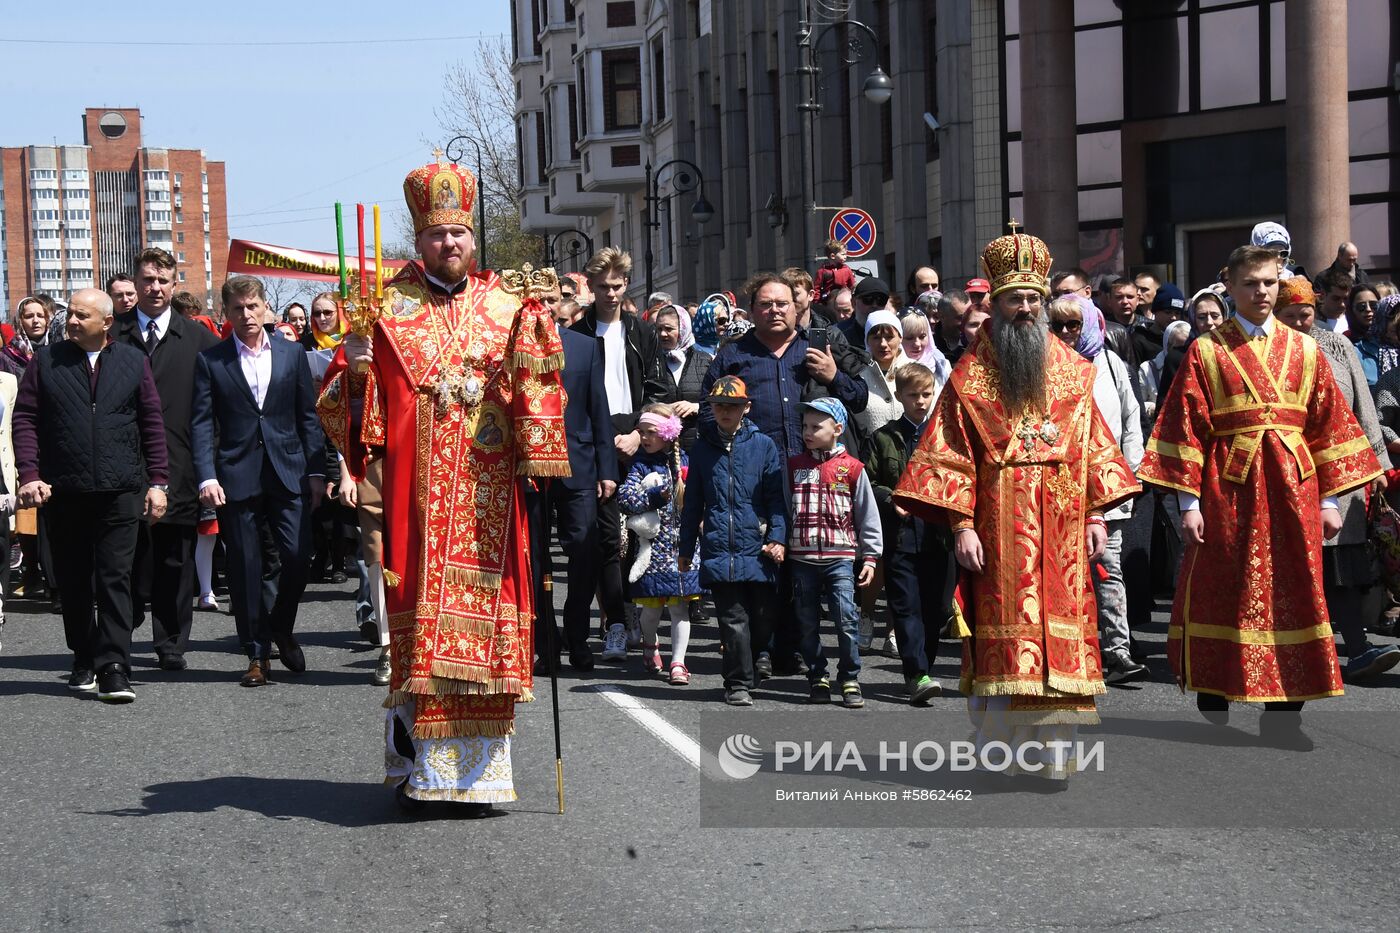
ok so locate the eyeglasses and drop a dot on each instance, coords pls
(1029, 300)
(1062, 326)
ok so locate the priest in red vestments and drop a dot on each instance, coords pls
(1019, 461)
(460, 396)
(1256, 441)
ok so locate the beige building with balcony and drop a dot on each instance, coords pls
(1151, 133)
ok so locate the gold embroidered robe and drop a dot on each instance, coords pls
(463, 397)
(1257, 429)
(1026, 481)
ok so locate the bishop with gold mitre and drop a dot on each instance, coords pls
(453, 398)
(1018, 460)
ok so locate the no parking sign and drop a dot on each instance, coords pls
(855, 229)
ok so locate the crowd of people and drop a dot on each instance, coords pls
(800, 412)
(1023, 465)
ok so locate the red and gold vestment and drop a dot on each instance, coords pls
(1256, 428)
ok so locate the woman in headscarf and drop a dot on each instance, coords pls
(32, 318)
(920, 348)
(1380, 349)
(1177, 334)
(685, 364)
(884, 338)
(1349, 571)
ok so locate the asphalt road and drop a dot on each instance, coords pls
(206, 806)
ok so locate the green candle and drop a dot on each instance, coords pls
(340, 246)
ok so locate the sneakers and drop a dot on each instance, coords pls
(651, 659)
(891, 645)
(763, 667)
(850, 695)
(1120, 668)
(799, 665)
(738, 696)
(383, 670)
(1374, 660)
(922, 689)
(82, 680)
(615, 643)
(820, 691)
(112, 685)
(680, 675)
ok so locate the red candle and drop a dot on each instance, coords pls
(360, 218)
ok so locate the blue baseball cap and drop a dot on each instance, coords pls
(1169, 298)
(831, 407)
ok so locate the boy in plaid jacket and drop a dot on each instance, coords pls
(835, 527)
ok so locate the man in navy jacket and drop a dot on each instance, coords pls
(254, 392)
(572, 501)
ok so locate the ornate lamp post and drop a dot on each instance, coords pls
(686, 178)
(455, 146)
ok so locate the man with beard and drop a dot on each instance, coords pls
(1020, 463)
(461, 397)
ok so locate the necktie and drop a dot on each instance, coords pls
(152, 337)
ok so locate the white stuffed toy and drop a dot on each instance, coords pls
(646, 526)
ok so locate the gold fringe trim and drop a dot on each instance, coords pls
(392, 580)
(1074, 688)
(463, 576)
(526, 695)
(1059, 686)
(463, 728)
(452, 795)
(440, 687)
(535, 364)
(452, 622)
(543, 468)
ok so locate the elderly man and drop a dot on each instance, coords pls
(1019, 461)
(1256, 440)
(1348, 262)
(90, 445)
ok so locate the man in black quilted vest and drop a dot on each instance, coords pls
(90, 447)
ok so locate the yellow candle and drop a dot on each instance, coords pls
(378, 259)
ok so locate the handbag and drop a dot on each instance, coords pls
(1383, 535)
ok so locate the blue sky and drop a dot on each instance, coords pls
(299, 125)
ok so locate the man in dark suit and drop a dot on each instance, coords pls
(572, 502)
(254, 392)
(91, 449)
(164, 564)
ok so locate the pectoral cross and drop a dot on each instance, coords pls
(1041, 430)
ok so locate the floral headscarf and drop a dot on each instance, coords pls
(1387, 354)
(687, 336)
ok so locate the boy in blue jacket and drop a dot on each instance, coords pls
(735, 487)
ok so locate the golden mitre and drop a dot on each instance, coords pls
(1017, 260)
(440, 193)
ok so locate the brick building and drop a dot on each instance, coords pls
(74, 215)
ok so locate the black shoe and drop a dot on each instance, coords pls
(369, 631)
(820, 691)
(293, 659)
(338, 577)
(82, 680)
(581, 660)
(112, 685)
(763, 667)
(1216, 709)
(738, 696)
(1122, 669)
(544, 667)
(476, 811)
(1280, 729)
(406, 803)
(173, 662)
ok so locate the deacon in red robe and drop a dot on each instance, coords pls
(1019, 461)
(1255, 439)
(460, 396)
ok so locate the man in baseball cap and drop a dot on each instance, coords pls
(978, 290)
(870, 294)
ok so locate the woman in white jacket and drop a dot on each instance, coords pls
(1076, 321)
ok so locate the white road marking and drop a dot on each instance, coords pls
(678, 741)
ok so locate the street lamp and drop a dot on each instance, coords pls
(579, 244)
(686, 178)
(777, 211)
(456, 144)
(877, 88)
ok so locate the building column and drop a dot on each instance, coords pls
(1319, 179)
(1049, 162)
(956, 153)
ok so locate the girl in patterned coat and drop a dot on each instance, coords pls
(651, 498)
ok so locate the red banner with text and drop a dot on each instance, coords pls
(248, 258)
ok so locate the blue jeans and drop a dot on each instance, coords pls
(837, 582)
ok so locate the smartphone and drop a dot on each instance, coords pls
(817, 339)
